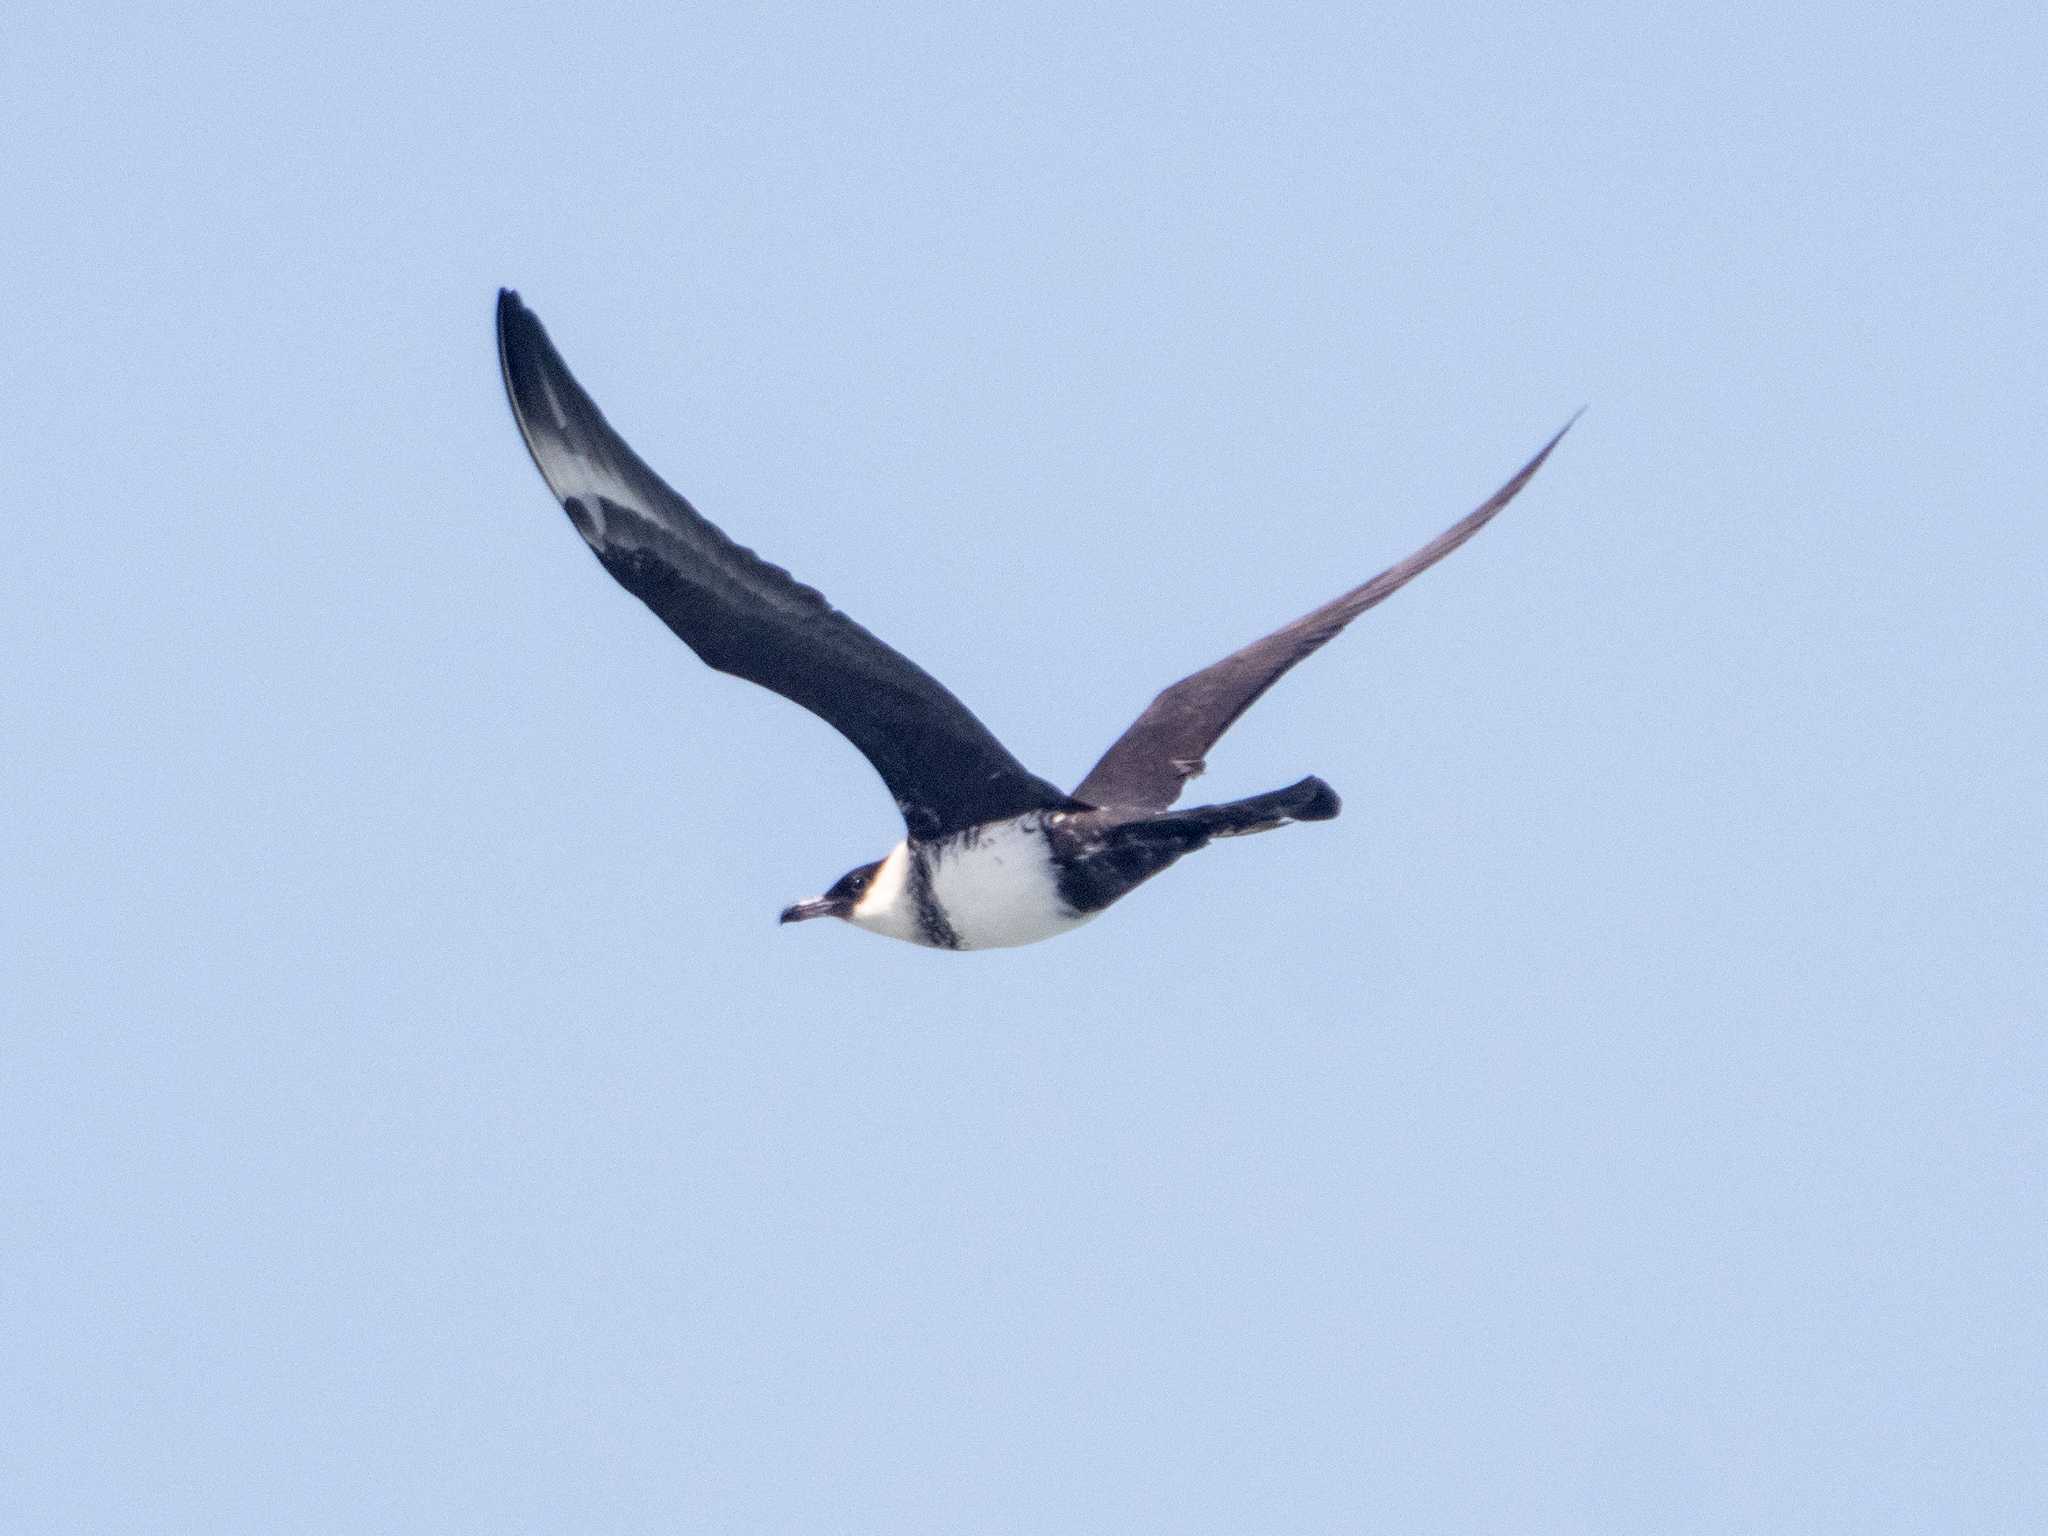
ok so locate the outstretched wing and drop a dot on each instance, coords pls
(749, 618)
(1164, 746)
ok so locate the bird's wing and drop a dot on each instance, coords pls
(749, 618)
(1164, 746)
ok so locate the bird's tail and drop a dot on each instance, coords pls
(1132, 852)
(1310, 800)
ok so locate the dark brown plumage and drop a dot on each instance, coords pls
(1165, 746)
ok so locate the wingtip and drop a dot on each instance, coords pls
(1558, 436)
(522, 340)
(507, 311)
(521, 345)
(1529, 469)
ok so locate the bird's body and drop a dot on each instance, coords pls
(994, 855)
(990, 887)
(1031, 877)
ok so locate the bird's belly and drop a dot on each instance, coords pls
(1000, 888)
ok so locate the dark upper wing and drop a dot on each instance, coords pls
(1164, 746)
(747, 617)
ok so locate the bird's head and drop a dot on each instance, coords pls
(840, 900)
(875, 897)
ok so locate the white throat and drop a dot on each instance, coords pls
(887, 906)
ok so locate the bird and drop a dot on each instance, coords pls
(993, 856)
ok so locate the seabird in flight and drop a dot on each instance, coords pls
(994, 855)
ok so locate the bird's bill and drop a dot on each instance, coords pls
(817, 906)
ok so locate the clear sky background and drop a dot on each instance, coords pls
(1628, 1117)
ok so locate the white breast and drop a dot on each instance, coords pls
(997, 887)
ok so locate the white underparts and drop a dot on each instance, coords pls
(997, 886)
(991, 887)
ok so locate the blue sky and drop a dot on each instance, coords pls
(1627, 1116)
